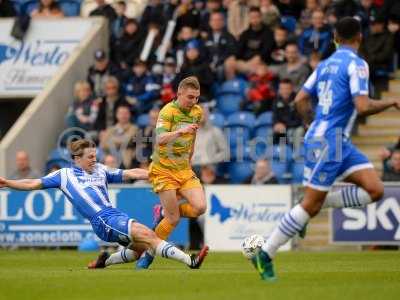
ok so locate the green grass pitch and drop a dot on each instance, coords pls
(59, 275)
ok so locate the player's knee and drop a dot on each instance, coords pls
(173, 219)
(200, 208)
(376, 191)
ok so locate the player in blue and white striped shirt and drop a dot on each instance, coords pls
(340, 84)
(86, 186)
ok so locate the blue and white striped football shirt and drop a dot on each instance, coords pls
(87, 192)
(335, 83)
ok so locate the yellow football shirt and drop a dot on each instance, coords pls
(176, 154)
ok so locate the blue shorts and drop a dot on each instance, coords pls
(330, 161)
(113, 226)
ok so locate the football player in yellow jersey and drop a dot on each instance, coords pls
(170, 172)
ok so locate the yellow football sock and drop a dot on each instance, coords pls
(164, 229)
(186, 210)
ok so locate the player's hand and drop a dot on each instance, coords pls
(3, 182)
(189, 129)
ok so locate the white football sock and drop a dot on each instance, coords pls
(167, 250)
(291, 223)
(349, 196)
(124, 256)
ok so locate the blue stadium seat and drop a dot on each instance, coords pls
(282, 153)
(240, 171)
(263, 132)
(243, 119)
(238, 136)
(229, 103)
(265, 119)
(280, 170)
(289, 23)
(297, 172)
(142, 121)
(234, 86)
(71, 8)
(217, 119)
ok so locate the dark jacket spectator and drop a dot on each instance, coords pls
(105, 10)
(128, 47)
(117, 27)
(194, 65)
(154, 13)
(378, 46)
(258, 39)
(141, 87)
(84, 110)
(102, 68)
(345, 8)
(316, 38)
(393, 172)
(7, 9)
(262, 174)
(109, 103)
(290, 7)
(166, 80)
(145, 147)
(281, 40)
(188, 15)
(220, 44)
(286, 119)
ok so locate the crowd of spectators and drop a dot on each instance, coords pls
(270, 45)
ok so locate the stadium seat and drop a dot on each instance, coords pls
(229, 103)
(265, 119)
(234, 86)
(289, 23)
(142, 121)
(237, 136)
(282, 153)
(263, 132)
(297, 172)
(240, 171)
(280, 170)
(242, 119)
(71, 8)
(217, 119)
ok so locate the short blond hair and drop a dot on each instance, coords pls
(80, 85)
(77, 147)
(190, 82)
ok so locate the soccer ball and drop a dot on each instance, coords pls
(251, 244)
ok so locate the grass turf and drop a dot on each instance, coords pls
(59, 275)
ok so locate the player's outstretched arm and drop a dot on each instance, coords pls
(22, 184)
(135, 174)
(366, 106)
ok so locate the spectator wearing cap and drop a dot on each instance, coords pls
(285, 118)
(23, 167)
(377, 48)
(117, 27)
(84, 110)
(140, 86)
(316, 38)
(221, 47)
(195, 65)
(393, 172)
(210, 146)
(7, 9)
(295, 67)
(270, 13)
(105, 10)
(166, 80)
(48, 9)
(255, 44)
(102, 68)
(119, 139)
(281, 35)
(128, 47)
(109, 103)
(262, 174)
